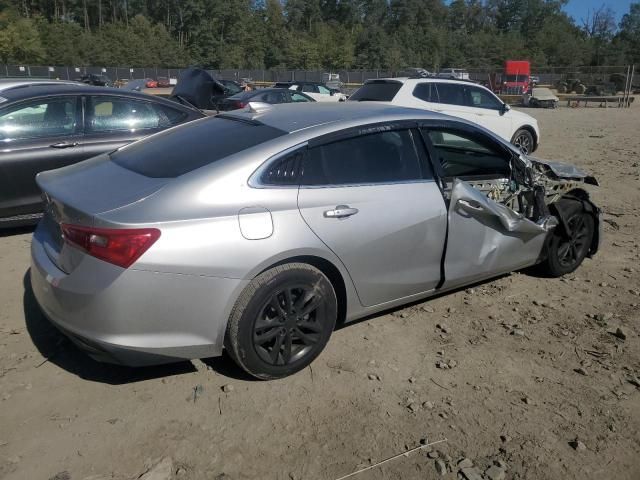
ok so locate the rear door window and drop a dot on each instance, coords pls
(107, 114)
(426, 92)
(451, 93)
(168, 116)
(207, 141)
(383, 157)
(376, 91)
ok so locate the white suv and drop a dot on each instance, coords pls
(457, 98)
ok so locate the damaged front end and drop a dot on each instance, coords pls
(529, 202)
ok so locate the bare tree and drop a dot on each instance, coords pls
(600, 27)
(600, 23)
(85, 15)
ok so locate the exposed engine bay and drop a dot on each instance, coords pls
(528, 201)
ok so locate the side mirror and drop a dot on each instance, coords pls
(505, 108)
(332, 93)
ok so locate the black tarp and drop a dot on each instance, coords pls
(198, 88)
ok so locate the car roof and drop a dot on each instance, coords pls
(34, 91)
(421, 79)
(299, 116)
(252, 93)
(301, 82)
(7, 83)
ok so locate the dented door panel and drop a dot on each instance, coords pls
(487, 238)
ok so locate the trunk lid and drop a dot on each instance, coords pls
(79, 194)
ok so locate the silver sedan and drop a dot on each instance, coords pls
(257, 231)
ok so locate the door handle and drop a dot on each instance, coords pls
(471, 205)
(64, 145)
(341, 211)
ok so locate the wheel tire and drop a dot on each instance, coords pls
(564, 255)
(269, 334)
(523, 139)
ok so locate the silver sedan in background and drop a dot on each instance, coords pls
(257, 231)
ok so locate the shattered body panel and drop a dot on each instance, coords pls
(516, 216)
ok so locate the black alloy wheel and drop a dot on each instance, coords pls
(567, 247)
(282, 320)
(524, 141)
(573, 248)
(290, 324)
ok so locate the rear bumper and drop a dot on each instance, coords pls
(133, 317)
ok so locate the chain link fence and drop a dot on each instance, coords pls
(130, 73)
(547, 75)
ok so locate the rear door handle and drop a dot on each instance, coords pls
(64, 145)
(341, 211)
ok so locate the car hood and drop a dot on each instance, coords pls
(544, 96)
(522, 117)
(564, 170)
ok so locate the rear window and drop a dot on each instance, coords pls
(376, 92)
(191, 146)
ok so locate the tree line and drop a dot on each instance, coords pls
(313, 34)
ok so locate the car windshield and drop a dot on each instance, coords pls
(209, 140)
(376, 92)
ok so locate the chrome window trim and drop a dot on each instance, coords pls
(255, 182)
(373, 184)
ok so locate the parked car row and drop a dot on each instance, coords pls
(50, 124)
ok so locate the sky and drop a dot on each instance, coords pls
(579, 9)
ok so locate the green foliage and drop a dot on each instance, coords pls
(19, 39)
(629, 37)
(312, 34)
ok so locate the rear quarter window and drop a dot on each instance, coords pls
(193, 145)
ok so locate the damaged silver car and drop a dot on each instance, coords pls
(258, 231)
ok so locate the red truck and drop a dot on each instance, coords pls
(516, 77)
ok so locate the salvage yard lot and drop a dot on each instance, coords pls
(534, 364)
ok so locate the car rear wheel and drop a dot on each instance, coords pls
(523, 139)
(567, 250)
(282, 321)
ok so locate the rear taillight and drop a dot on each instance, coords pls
(241, 104)
(121, 247)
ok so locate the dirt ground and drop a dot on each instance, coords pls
(535, 367)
